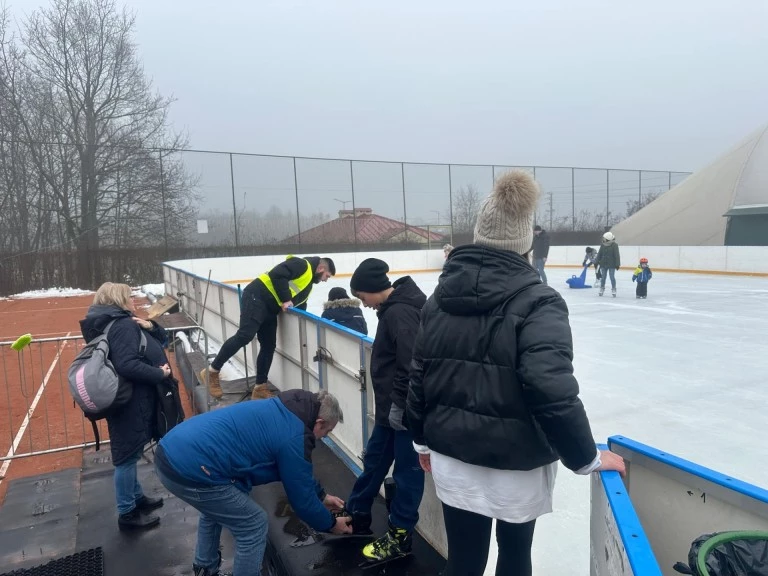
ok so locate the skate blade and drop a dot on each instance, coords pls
(368, 564)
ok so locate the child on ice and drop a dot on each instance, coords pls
(642, 275)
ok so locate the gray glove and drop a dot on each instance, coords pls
(396, 417)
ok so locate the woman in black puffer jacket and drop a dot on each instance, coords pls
(493, 403)
(131, 426)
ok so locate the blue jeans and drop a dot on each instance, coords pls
(127, 487)
(385, 446)
(539, 263)
(605, 272)
(224, 507)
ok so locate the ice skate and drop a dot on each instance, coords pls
(395, 544)
(602, 289)
(613, 292)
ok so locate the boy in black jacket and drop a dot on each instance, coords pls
(287, 285)
(398, 307)
(342, 309)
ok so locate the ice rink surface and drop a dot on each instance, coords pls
(685, 370)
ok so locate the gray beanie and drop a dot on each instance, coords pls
(505, 218)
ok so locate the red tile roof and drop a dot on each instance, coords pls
(371, 228)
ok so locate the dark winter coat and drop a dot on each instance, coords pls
(393, 346)
(346, 312)
(291, 269)
(541, 245)
(251, 444)
(131, 427)
(492, 381)
(608, 256)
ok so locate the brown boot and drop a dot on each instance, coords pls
(261, 392)
(214, 386)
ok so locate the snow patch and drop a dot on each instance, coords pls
(52, 293)
(156, 289)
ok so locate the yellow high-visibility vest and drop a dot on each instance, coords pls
(296, 286)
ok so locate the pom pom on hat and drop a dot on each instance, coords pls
(505, 218)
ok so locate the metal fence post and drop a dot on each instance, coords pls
(162, 196)
(450, 198)
(234, 202)
(607, 198)
(639, 187)
(405, 214)
(296, 192)
(573, 197)
(354, 209)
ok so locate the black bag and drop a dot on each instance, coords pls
(169, 410)
(739, 553)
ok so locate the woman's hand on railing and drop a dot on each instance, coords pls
(426, 463)
(611, 461)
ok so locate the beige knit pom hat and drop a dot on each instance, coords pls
(505, 218)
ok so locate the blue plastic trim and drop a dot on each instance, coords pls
(343, 456)
(697, 470)
(332, 325)
(638, 548)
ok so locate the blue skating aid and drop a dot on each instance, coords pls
(579, 281)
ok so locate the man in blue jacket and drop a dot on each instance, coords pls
(213, 460)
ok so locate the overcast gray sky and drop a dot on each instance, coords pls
(656, 84)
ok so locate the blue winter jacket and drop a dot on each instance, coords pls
(642, 275)
(254, 443)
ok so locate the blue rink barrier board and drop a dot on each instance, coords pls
(678, 500)
(618, 544)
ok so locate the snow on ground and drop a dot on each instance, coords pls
(52, 293)
(683, 371)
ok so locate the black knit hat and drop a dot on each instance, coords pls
(338, 293)
(370, 276)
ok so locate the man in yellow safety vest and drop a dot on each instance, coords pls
(287, 285)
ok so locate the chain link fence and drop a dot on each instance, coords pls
(145, 206)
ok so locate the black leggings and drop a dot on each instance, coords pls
(469, 536)
(256, 318)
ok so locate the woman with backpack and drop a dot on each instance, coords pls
(131, 425)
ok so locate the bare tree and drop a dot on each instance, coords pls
(645, 199)
(466, 205)
(78, 84)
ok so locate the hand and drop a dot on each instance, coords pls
(426, 463)
(146, 324)
(287, 305)
(166, 370)
(396, 417)
(612, 461)
(343, 525)
(544, 260)
(333, 503)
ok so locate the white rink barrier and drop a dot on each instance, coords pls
(663, 505)
(313, 354)
(708, 259)
(663, 496)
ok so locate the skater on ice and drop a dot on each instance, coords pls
(398, 306)
(642, 276)
(493, 403)
(540, 251)
(609, 261)
(590, 259)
